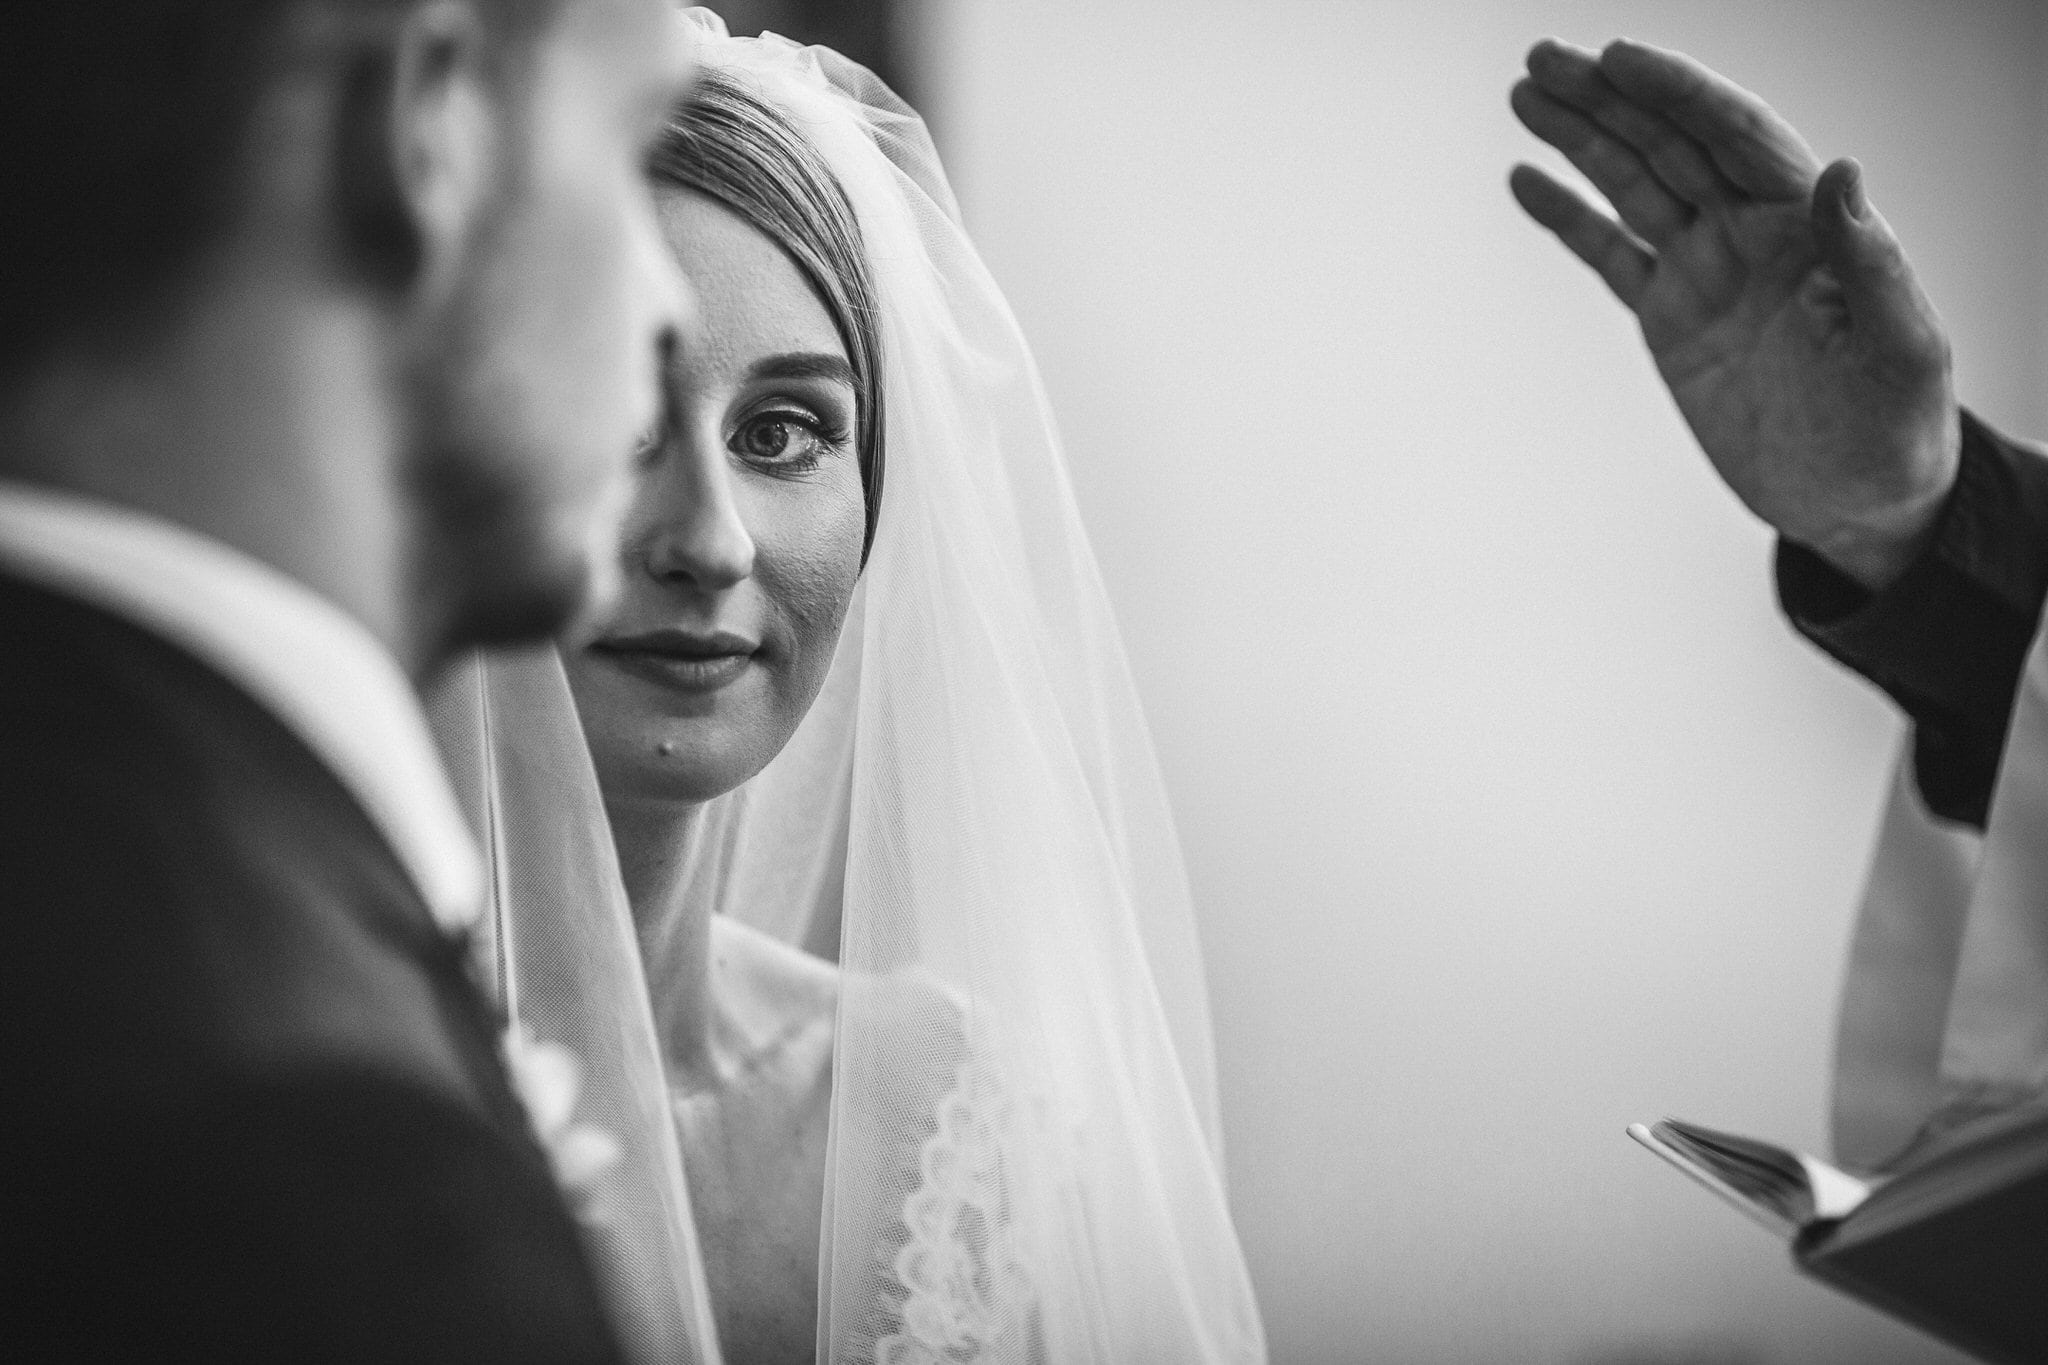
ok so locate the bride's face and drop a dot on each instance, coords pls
(744, 540)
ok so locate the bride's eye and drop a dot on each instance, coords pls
(783, 441)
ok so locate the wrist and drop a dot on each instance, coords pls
(1876, 553)
(1875, 546)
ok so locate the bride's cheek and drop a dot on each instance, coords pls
(820, 567)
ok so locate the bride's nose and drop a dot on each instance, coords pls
(697, 533)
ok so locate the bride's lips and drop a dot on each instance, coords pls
(694, 661)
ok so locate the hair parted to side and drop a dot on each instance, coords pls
(726, 142)
(127, 122)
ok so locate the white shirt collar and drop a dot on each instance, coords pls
(311, 664)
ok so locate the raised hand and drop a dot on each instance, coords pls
(1775, 300)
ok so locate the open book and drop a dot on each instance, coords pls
(1954, 1240)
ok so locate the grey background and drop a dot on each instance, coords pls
(1514, 813)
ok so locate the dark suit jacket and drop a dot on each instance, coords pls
(253, 1104)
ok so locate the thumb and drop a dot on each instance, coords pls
(1884, 300)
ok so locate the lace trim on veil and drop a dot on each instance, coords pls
(966, 1297)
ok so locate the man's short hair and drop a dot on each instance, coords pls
(125, 121)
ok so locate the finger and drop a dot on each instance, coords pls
(1651, 211)
(1749, 142)
(1572, 76)
(1885, 303)
(1623, 263)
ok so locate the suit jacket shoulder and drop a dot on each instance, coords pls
(192, 889)
(263, 1087)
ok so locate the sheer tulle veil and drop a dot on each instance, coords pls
(1024, 1155)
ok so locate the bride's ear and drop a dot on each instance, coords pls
(421, 145)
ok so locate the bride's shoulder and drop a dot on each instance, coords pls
(768, 976)
(777, 995)
(781, 985)
(773, 1000)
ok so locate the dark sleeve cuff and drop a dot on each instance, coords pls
(1948, 639)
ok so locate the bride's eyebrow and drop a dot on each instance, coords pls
(806, 365)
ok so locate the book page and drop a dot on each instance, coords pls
(1766, 1215)
(1836, 1193)
(1791, 1188)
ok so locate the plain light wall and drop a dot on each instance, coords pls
(1514, 811)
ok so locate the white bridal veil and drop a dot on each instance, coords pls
(1024, 1160)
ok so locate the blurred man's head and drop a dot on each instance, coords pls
(441, 202)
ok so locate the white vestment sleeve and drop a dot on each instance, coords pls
(1945, 1009)
(1901, 973)
(1996, 1051)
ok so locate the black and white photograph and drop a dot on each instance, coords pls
(1022, 682)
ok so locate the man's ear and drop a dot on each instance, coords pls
(421, 144)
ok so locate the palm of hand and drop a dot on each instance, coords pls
(1750, 334)
(1749, 331)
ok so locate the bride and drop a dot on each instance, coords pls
(838, 853)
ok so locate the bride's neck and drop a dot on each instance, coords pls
(656, 841)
